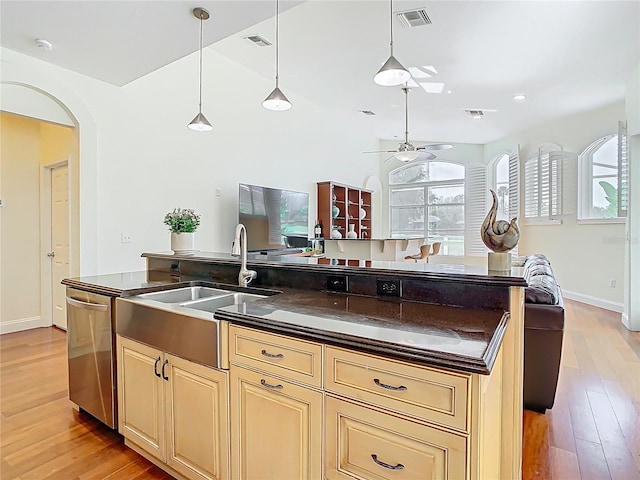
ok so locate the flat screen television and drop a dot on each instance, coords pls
(275, 219)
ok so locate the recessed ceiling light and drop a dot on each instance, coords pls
(520, 98)
(44, 44)
(449, 91)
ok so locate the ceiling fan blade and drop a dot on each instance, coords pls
(382, 151)
(422, 155)
(435, 146)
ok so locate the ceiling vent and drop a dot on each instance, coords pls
(367, 112)
(475, 113)
(258, 40)
(414, 18)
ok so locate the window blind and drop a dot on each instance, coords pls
(475, 209)
(514, 188)
(623, 170)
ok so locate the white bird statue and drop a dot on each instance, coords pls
(499, 236)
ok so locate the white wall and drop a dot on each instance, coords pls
(139, 160)
(585, 257)
(30, 103)
(631, 315)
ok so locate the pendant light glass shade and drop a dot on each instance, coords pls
(392, 73)
(200, 122)
(407, 155)
(277, 100)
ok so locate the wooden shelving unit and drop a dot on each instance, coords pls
(354, 207)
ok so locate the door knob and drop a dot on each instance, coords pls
(51, 254)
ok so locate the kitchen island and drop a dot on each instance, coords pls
(441, 343)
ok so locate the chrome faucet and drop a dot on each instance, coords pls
(245, 276)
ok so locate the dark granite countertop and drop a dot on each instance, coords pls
(462, 339)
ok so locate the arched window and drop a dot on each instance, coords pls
(599, 187)
(426, 199)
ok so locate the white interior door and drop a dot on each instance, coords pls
(59, 242)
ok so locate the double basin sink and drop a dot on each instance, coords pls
(180, 321)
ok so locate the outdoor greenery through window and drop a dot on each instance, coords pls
(426, 200)
(599, 179)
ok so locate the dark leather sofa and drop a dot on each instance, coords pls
(543, 333)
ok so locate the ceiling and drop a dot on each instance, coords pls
(566, 56)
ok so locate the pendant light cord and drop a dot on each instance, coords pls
(406, 115)
(391, 24)
(200, 89)
(277, 42)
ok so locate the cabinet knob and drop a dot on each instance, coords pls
(51, 254)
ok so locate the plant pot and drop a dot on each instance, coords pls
(183, 243)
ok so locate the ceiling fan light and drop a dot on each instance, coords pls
(406, 155)
(200, 124)
(276, 101)
(392, 73)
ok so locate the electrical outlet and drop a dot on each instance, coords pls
(126, 238)
(337, 283)
(218, 192)
(612, 283)
(388, 288)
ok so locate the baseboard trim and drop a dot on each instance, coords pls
(595, 301)
(625, 320)
(22, 324)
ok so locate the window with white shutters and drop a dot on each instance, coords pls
(476, 193)
(505, 181)
(544, 182)
(603, 171)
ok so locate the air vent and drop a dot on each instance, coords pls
(414, 18)
(367, 112)
(477, 114)
(258, 40)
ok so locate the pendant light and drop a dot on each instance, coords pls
(392, 73)
(277, 100)
(200, 122)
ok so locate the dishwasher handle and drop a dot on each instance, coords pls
(87, 305)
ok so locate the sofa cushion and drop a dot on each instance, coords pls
(542, 289)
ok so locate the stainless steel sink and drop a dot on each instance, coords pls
(185, 294)
(212, 304)
(180, 321)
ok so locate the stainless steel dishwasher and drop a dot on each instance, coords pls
(91, 354)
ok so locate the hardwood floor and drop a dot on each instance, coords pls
(592, 432)
(593, 429)
(42, 436)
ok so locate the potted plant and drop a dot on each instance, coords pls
(182, 223)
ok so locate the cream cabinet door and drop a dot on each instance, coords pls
(197, 420)
(366, 443)
(276, 428)
(140, 396)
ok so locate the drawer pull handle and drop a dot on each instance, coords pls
(166, 362)
(155, 367)
(401, 388)
(272, 355)
(275, 387)
(386, 465)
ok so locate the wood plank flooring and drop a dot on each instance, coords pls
(593, 429)
(592, 432)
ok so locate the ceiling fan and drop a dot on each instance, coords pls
(406, 152)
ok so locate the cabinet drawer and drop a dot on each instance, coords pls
(365, 443)
(292, 358)
(429, 394)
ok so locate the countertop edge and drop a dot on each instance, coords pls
(426, 358)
